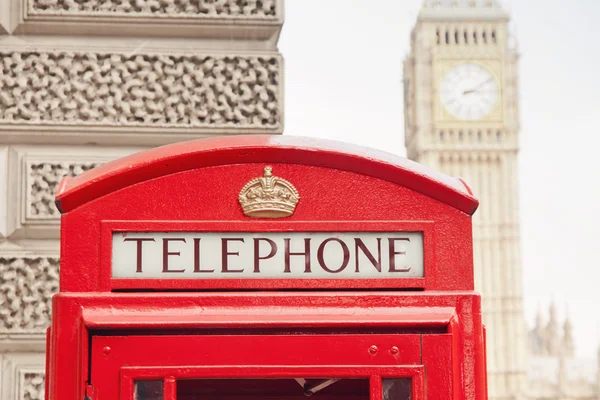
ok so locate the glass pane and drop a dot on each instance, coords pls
(273, 389)
(396, 389)
(148, 390)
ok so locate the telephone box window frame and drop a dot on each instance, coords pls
(375, 374)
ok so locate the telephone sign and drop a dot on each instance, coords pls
(288, 255)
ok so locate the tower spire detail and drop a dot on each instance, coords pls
(552, 334)
(568, 342)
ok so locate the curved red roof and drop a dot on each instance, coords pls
(184, 156)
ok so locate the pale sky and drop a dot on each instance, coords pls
(343, 81)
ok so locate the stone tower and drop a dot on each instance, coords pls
(461, 117)
(83, 82)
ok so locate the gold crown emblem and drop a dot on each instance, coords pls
(268, 197)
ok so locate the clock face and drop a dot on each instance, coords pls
(469, 91)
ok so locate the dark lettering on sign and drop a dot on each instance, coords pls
(225, 254)
(321, 258)
(197, 257)
(288, 254)
(140, 241)
(258, 257)
(359, 244)
(167, 253)
(394, 253)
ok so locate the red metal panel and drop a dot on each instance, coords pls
(278, 355)
(468, 351)
(203, 153)
(418, 384)
(484, 351)
(376, 387)
(437, 356)
(168, 350)
(68, 350)
(161, 315)
(271, 371)
(170, 388)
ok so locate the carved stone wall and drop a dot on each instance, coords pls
(26, 288)
(32, 386)
(22, 376)
(34, 175)
(150, 90)
(43, 181)
(193, 8)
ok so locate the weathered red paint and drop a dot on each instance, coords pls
(108, 332)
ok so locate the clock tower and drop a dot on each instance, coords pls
(461, 117)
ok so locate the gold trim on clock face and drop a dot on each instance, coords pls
(469, 91)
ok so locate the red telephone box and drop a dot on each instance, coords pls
(265, 267)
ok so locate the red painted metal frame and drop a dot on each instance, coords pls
(439, 364)
(203, 153)
(108, 283)
(262, 348)
(375, 374)
(77, 316)
(263, 317)
(256, 355)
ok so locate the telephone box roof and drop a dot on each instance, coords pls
(184, 156)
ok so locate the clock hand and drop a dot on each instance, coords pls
(476, 88)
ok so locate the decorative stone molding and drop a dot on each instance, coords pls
(239, 9)
(34, 173)
(198, 92)
(248, 20)
(462, 10)
(4, 17)
(28, 284)
(31, 385)
(43, 179)
(22, 376)
(4, 194)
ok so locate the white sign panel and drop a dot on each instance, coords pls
(296, 255)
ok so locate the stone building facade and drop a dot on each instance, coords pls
(85, 81)
(462, 118)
